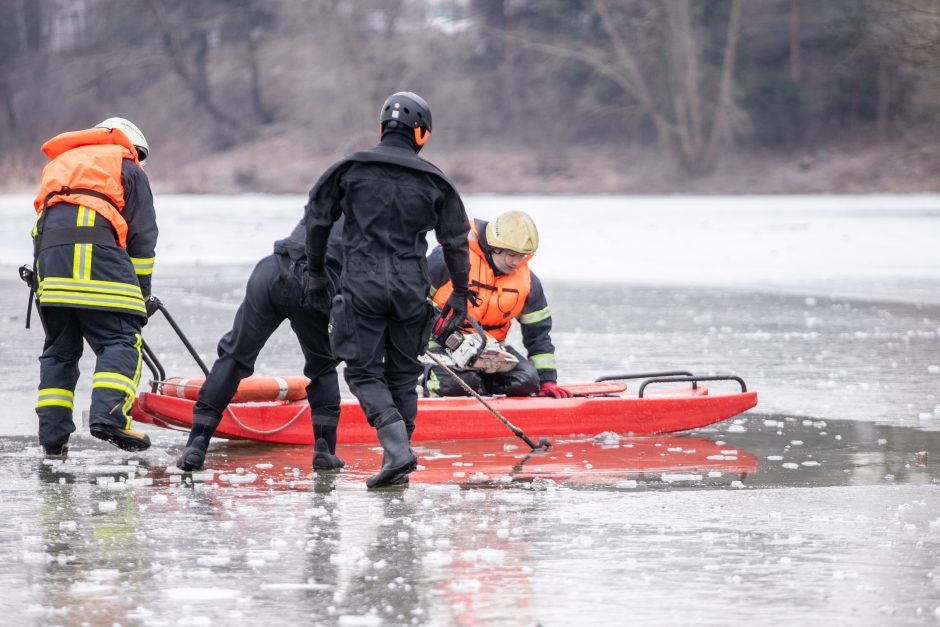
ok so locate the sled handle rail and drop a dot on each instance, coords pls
(645, 375)
(156, 368)
(158, 304)
(693, 379)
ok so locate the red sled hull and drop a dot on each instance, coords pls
(466, 418)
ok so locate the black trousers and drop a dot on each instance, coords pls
(115, 339)
(273, 294)
(381, 325)
(523, 380)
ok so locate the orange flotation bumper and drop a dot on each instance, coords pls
(250, 390)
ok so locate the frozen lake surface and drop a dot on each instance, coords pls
(820, 505)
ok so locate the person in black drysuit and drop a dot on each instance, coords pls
(381, 321)
(275, 293)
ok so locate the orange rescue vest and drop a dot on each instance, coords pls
(501, 298)
(89, 159)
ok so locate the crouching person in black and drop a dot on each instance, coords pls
(275, 293)
(381, 321)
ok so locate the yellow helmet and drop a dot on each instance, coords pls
(515, 231)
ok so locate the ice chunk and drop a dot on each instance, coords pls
(933, 369)
(239, 478)
(465, 585)
(195, 594)
(791, 466)
(673, 477)
(107, 506)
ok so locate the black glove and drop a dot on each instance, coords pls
(152, 304)
(318, 290)
(453, 315)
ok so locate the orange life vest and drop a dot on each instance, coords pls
(500, 298)
(89, 159)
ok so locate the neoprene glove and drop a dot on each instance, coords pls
(550, 388)
(452, 316)
(318, 290)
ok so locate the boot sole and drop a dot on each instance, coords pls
(328, 465)
(119, 440)
(400, 477)
(188, 461)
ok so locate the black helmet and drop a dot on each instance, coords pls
(405, 109)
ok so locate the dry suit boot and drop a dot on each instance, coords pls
(194, 457)
(402, 479)
(56, 450)
(323, 459)
(398, 460)
(126, 439)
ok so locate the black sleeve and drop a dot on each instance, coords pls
(322, 210)
(451, 230)
(536, 323)
(437, 268)
(141, 218)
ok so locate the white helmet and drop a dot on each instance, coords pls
(133, 133)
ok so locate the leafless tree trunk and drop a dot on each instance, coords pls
(194, 75)
(720, 131)
(794, 37)
(264, 113)
(883, 98)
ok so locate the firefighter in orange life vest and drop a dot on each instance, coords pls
(502, 289)
(94, 243)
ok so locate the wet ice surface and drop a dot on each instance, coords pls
(822, 505)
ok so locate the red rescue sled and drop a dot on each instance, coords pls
(601, 407)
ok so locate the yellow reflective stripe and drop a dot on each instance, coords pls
(86, 269)
(543, 361)
(85, 217)
(56, 397)
(114, 381)
(535, 316)
(143, 265)
(76, 261)
(129, 402)
(54, 297)
(81, 262)
(90, 285)
(35, 231)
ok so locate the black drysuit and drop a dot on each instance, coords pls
(273, 294)
(381, 321)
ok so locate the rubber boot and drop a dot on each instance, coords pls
(323, 459)
(126, 439)
(194, 457)
(403, 479)
(56, 451)
(398, 460)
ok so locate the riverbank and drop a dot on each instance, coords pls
(851, 165)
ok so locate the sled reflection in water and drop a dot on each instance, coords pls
(607, 460)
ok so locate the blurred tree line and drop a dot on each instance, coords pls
(686, 80)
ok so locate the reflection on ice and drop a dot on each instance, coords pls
(553, 531)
